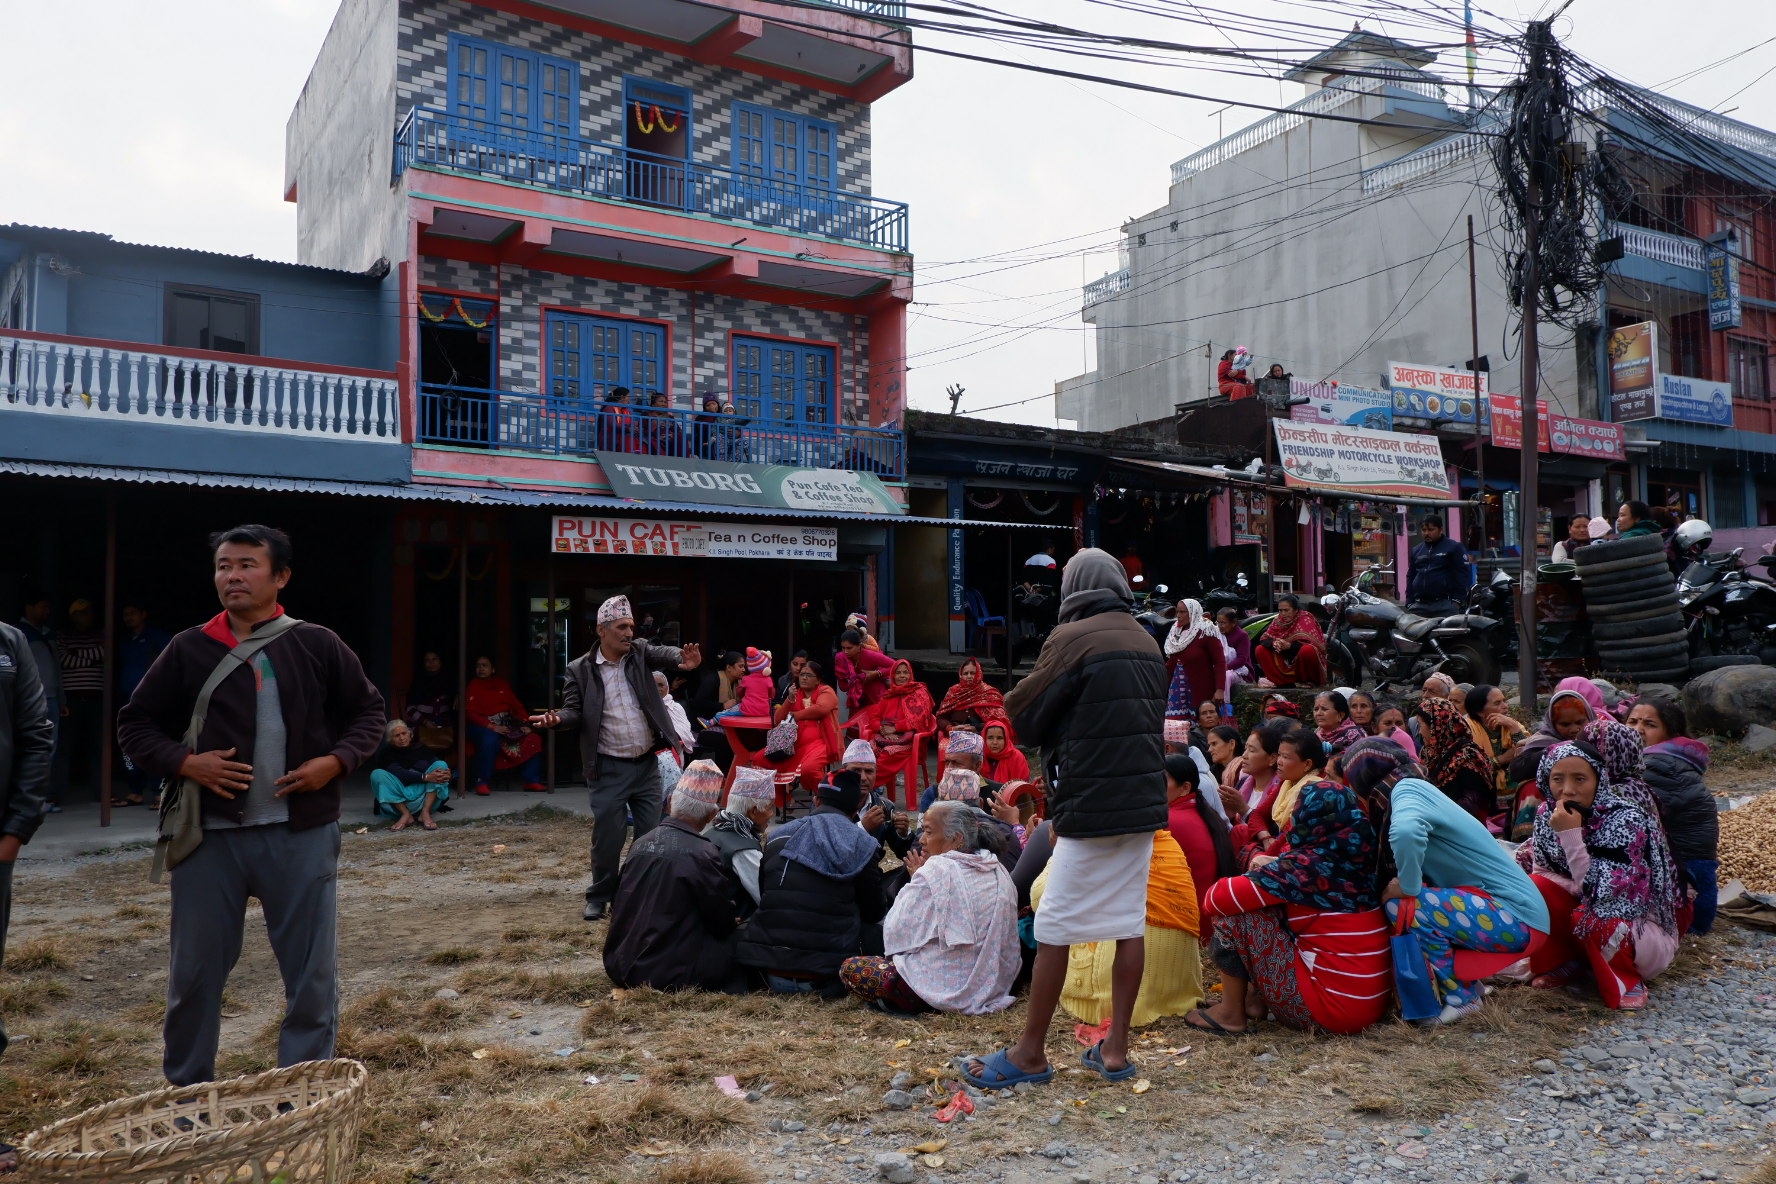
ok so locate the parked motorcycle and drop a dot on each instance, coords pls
(1156, 612)
(1727, 610)
(1368, 635)
(1237, 595)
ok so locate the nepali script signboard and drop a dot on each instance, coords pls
(1355, 460)
(722, 483)
(1634, 372)
(1435, 392)
(691, 540)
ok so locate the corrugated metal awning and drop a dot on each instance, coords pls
(1253, 481)
(464, 495)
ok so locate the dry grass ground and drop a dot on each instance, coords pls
(474, 1088)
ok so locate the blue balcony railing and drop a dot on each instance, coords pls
(437, 139)
(472, 418)
(888, 10)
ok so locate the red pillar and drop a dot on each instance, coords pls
(887, 364)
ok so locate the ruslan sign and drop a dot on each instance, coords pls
(1354, 460)
(688, 479)
(665, 539)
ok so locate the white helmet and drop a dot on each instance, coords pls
(1693, 535)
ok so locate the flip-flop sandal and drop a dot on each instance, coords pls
(1094, 1060)
(998, 1072)
(1211, 1025)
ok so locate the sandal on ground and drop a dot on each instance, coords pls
(1211, 1025)
(1558, 977)
(998, 1072)
(1094, 1060)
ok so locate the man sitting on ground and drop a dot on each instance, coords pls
(673, 916)
(966, 750)
(738, 833)
(820, 898)
(951, 938)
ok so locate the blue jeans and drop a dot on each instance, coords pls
(487, 747)
(1703, 874)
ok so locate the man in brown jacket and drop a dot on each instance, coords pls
(281, 732)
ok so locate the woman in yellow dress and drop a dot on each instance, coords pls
(1171, 983)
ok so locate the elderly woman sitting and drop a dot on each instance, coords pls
(408, 777)
(950, 941)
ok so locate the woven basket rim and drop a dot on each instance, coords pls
(284, 1126)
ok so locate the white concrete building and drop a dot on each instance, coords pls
(1330, 246)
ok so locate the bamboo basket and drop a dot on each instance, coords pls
(220, 1132)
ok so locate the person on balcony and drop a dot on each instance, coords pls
(1230, 375)
(1275, 383)
(715, 433)
(617, 429)
(660, 434)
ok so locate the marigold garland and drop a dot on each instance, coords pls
(660, 121)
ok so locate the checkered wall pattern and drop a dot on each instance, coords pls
(700, 361)
(424, 81)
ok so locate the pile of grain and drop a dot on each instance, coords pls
(1748, 844)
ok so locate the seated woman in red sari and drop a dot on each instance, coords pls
(893, 725)
(973, 693)
(1302, 935)
(1002, 762)
(1292, 651)
(815, 707)
(498, 731)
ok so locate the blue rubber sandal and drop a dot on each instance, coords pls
(1094, 1060)
(998, 1072)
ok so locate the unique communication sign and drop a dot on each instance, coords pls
(1507, 422)
(1435, 392)
(666, 539)
(1695, 400)
(1335, 403)
(1355, 460)
(722, 483)
(1634, 365)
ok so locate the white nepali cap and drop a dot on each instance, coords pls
(859, 752)
(615, 609)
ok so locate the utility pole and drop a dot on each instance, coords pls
(1479, 405)
(1538, 39)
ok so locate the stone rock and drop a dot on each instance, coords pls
(444, 993)
(897, 1099)
(1055, 1151)
(1545, 1066)
(792, 1127)
(1661, 690)
(1758, 738)
(1149, 1178)
(1263, 1057)
(901, 1081)
(1521, 1176)
(1631, 1050)
(896, 1168)
(1730, 700)
(1593, 1054)
(1753, 1097)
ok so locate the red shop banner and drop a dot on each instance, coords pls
(1588, 437)
(1507, 422)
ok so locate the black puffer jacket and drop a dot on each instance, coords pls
(1095, 704)
(807, 921)
(1674, 771)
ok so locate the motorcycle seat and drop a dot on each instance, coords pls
(1413, 627)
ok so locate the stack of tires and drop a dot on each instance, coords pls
(1632, 602)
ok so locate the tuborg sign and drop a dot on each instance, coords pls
(784, 487)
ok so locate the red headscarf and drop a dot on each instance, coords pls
(1010, 764)
(908, 706)
(977, 696)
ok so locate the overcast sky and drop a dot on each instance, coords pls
(164, 123)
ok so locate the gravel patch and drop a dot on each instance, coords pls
(1683, 1091)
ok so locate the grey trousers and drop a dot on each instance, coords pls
(5, 920)
(622, 790)
(295, 876)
